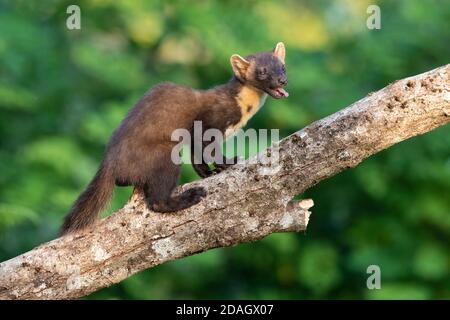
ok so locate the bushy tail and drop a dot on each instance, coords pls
(90, 203)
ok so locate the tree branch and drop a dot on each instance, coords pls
(242, 204)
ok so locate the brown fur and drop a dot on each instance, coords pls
(139, 151)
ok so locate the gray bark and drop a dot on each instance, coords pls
(242, 205)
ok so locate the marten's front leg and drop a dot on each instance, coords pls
(198, 162)
(203, 169)
(199, 165)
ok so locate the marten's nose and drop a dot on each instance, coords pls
(282, 81)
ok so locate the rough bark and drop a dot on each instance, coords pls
(243, 203)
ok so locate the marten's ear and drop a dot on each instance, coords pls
(280, 51)
(240, 66)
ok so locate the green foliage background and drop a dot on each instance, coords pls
(62, 93)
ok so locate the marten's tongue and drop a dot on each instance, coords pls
(281, 92)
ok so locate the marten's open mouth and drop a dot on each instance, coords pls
(278, 93)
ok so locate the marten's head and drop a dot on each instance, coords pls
(265, 71)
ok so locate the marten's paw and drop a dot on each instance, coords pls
(218, 168)
(205, 172)
(194, 195)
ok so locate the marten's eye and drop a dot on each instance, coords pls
(283, 68)
(262, 72)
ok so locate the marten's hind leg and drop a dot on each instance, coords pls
(161, 183)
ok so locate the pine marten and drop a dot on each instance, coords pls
(139, 151)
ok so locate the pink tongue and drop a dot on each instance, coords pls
(283, 92)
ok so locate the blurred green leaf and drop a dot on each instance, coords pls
(432, 262)
(318, 267)
(399, 291)
(11, 215)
